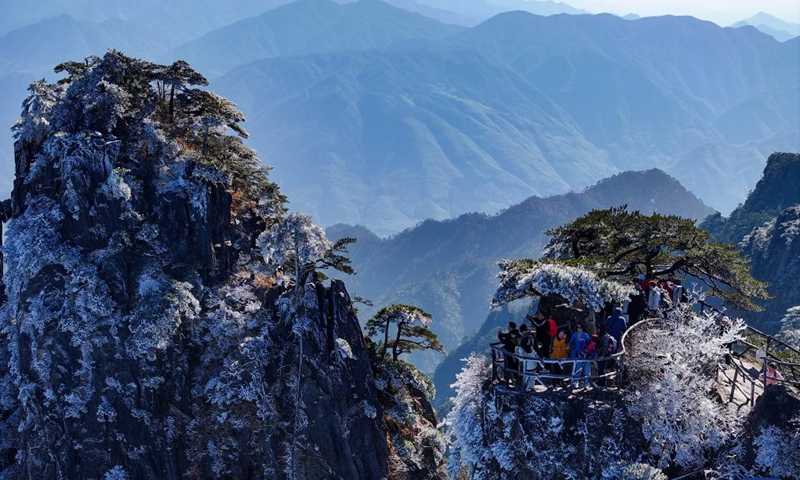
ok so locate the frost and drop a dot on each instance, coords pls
(521, 278)
(116, 473)
(632, 471)
(463, 424)
(344, 350)
(779, 453)
(294, 246)
(369, 410)
(105, 412)
(115, 187)
(790, 327)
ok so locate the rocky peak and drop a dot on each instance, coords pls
(144, 333)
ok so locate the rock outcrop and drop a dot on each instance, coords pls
(775, 253)
(145, 333)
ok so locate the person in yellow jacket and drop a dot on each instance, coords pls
(559, 350)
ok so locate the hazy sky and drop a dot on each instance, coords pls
(723, 12)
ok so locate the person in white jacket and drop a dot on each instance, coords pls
(654, 297)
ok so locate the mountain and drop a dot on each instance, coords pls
(444, 16)
(139, 329)
(775, 191)
(37, 48)
(773, 26)
(448, 268)
(520, 105)
(765, 226)
(193, 16)
(775, 252)
(537, 7)
(307, 26)
(481, 10)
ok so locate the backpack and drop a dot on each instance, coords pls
(552, 331)
(526, 343)
(610, 346)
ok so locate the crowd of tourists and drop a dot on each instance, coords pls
(654, 295)
(589, 345)
(544, 340)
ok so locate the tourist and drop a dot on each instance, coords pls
(559, 351)
(545, 331)
(654, 299)
(772, 376)
(638, 303)
(616, 325)
(608, 347)
(577, 350)
(528, 364)
(509, 340)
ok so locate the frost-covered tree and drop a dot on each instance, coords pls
(469, 446)
(672, 368)
(632, 471)
(522, 278)
(790, 327)
(667, 417)
(616, 242)
(411, 327)
(778, 450)
(296, 247)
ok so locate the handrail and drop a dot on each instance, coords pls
(774, 339)
(615, 361)
(788, 367)
(739, 370)
(528, 367)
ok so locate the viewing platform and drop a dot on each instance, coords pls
(543, 375)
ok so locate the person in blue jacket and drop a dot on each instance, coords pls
(577, 349)
(616, 325)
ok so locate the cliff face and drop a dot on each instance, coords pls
(774, 249)
(765, 227)
(144, 333)
(774, 192)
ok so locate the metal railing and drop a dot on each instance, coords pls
(744, 348)
(740, 377)
(599, 372)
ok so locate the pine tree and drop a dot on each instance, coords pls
(619, 243)
(412, 330)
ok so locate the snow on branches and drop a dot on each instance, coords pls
(672, 366)
(297, 246)
(790, 327)
(464, 426)
(521, 278)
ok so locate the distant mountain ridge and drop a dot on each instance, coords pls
(307, 26)
(520, 105)
(773, 26)
(481, 10)
(477, 120)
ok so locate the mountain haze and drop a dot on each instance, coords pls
(520, 105)
(775, 27)
(307, 26)
(194, 17)
(480, 10)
